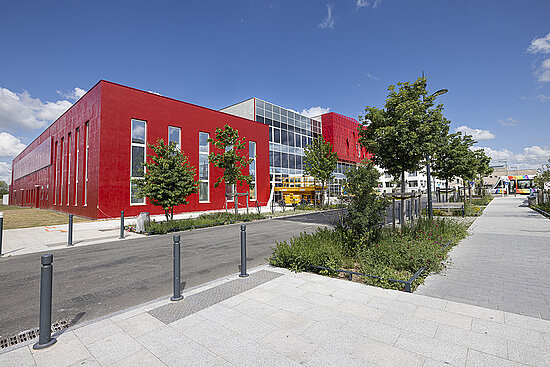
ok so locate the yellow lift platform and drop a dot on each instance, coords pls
(298, 189)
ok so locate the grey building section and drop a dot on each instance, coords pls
(289, 133)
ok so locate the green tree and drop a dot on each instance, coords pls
(4, 188)
(320, 162)
(169, 179)
(366, 209)
(542, 179)
(406, 131)
(231, 159)
(451, 158)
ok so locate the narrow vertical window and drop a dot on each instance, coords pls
(137, 159)
(252, 168)
(174, 136)
(61, 153)
(87, 145)
(76, 156)
(68, 166)
(204, 168)
(55, 168)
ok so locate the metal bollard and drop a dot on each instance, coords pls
(177, 291)
(70, 241)
(1, 230)
(121, 224)
(46, 274)
(243, 252)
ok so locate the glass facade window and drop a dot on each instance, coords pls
(137, 169)
(204, 168)
(61, 153)
(174, 136)
(252, 168)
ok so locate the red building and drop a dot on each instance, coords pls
(342, 132)
(83, 162)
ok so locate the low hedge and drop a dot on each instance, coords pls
(204, 220)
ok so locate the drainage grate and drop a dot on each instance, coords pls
(31, 334)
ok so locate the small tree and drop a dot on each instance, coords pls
(406, 131)
(320, 162)
(4, 188)
(169, 179)
(231, 159)
(366, 208)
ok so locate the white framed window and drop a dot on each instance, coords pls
(68, 167)
(204, 168)
(174, 136)
(137, 159)
(62, 178)
(77, 151)
(87, 145)
(252, 168)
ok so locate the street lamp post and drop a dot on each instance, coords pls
(428, 174)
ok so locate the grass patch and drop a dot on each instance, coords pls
(396, 255)
(18, 217)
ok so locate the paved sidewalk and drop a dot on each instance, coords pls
(278, 318)
(503, 265)
(37, 239)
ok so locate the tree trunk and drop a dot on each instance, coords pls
(447, 190)
(166, 214)
(236, 201)
(402, 211)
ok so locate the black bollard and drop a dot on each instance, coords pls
(243, 252)
(1, 230)
(46, 274)
(121, 224)
(70, 241)
(177, 292)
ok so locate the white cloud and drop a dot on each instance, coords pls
(540, 45)
(152, 91)
(315, 111)
(508, 122)
(531, 157)
(370, 76)
(543, 72)
(10, 146)
(21, 110)
(5, 172)
(477, 134)
(328, 22)
(366, 3)
(73, 95)
(543, 98)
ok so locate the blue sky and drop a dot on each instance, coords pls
(493, 56)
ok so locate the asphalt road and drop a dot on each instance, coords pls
(96, 280)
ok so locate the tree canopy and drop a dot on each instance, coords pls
(4, 188)
(169, 179)
(230, 158)
(320, 161)
(408, 129)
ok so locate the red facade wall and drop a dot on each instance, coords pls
(342, 132)
(109, 108)
(39, 188)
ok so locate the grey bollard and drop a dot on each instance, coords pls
(243, 252)
(177, 291)
(121, 224)
(46, 274)
(70, 240)
(1, 230)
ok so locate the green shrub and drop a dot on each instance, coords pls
(321, 248)
(483, 200)
(204, 220)
(399, 255)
